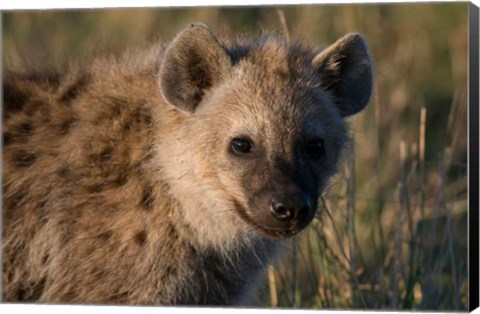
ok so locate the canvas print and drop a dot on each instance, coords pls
(302, 156)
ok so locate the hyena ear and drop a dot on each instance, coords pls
(346, 70)
(194, 62)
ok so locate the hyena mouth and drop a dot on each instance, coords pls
(264, 230)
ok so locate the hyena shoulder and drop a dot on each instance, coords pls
(78, 183)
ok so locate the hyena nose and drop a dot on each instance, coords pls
(290, 207)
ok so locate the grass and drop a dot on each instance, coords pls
(416, 261)
(391, 231)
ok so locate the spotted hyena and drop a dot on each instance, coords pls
(169, 176)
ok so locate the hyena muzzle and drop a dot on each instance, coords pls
(168, 176)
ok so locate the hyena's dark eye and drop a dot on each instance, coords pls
(315, 148)
(241, 146)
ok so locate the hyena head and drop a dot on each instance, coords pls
(265, 123)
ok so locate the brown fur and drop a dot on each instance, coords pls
(118, 186)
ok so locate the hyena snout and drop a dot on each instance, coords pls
(291, 207)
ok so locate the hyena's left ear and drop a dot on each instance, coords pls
(346, 70)
(193, 63)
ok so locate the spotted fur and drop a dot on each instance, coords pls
(118, 185)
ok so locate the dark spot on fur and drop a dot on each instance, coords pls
(119, 297)
(98, 273)
(172, 232)
(148, 155)
(39, 109)
(121, 180)
(147, 198)
(95, 188)
(66, 126)
(18, 91)
(116, 108)
(139, 119)
(25, 159)
(14, 98)
(48, 78)
(9, 274)
(198, 96)
(68, 235)
(69, 296)
(169, 270)
(141, 237)
(76, 88)
(25, 128)
(98, 154)
(20, 133)
(138, 168)
(282, 75)
(108, 182)
(112, 109)
(31, 291)
(13, 202)
(238, 52)
(64, 172)
(20, 294)
(142, 116)
(45, 259)
(41, 203)
(105, 154)
(41, 211)
(106, 235)
(7, 139)
(147, 117)
(37, 288)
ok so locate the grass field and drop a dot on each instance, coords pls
(391, 231)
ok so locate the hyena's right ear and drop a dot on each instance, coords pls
(194, 62)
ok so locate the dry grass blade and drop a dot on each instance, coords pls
(283, 23)
(272, 282)
(342, 250)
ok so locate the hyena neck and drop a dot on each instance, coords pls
(233, 261)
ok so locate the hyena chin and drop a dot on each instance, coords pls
(169, 176)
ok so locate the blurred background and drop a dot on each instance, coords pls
(391, 230)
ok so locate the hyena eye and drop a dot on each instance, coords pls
(241, 146)
(315, 148)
